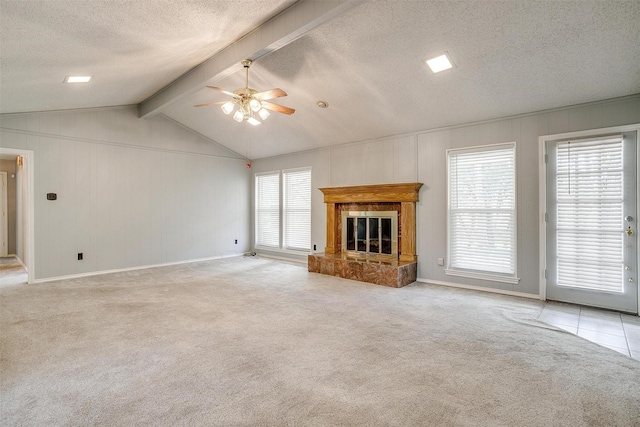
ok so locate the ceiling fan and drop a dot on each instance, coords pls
(249, 103)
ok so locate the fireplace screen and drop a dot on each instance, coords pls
(370, 233)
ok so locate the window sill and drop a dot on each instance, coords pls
(482, 276)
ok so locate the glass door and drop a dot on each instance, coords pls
(592, 222)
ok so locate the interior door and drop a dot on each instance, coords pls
(592, 221)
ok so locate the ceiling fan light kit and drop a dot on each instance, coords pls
(228, 107)
(263, 113)
(248, 102)
(255, 105)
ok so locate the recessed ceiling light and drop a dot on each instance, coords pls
(77, 79)
(439, 63)
(322, 104)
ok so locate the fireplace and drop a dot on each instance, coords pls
(371, 234)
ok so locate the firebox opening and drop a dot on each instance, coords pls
(370, 233)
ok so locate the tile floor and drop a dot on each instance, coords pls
(617, 331)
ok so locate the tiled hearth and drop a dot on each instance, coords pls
(393, 274)
(394, 271)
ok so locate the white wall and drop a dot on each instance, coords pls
(131, 192)
(135, 192)
(421, 157)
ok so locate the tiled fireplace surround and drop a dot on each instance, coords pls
(387, 197)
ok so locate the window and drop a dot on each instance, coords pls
(268, 209)
(482, 213)
(283, 209)
(297, 209)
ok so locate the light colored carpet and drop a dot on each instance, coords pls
(11, 272)
(247, 341)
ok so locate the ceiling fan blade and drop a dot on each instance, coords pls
(278, 108)
(226, 92)
(210, 103)
(269, 94)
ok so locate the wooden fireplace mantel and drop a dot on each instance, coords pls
(372, 193)
(406, 194)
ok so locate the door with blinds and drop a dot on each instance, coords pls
(592, 221)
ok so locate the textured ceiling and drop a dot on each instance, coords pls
(131, 48)
(511, 57)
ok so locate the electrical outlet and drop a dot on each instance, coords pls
(80, 256)
(236, 241)
(314, 247)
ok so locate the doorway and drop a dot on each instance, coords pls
(591, 220)
(24, 207)
(4, 216)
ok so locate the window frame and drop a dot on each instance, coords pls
(511, 278)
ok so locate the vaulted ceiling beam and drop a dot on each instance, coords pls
(289, 25)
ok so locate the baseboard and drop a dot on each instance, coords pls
(20, 262)
(480, 288)
(17, 259)
(121, 270)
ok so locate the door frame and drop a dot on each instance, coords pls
(4, 220)
(29, 208)
(542, 192)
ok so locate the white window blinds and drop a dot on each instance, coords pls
(297, 209)
(268, 209)
(482, 212)
(589, 189)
